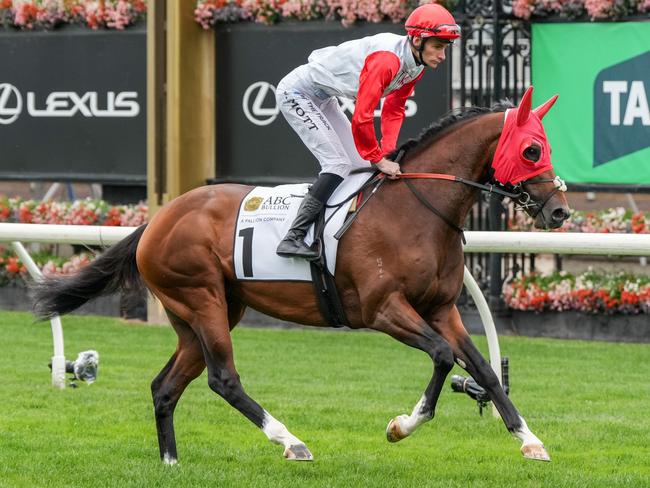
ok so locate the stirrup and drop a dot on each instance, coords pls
(318, 244)
(295, 247)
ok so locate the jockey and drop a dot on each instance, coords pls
(384, 65)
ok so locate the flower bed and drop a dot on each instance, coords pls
(611, 220)
(572, 9)
(119, 14)
(590, 292)
(79, 212)
(208, 13)
(13, 272)
(48, 14)
(14, 294)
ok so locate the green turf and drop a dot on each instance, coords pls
(587, 401)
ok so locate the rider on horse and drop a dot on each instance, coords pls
(365, 70)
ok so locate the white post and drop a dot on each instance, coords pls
(58, 360)
(488, 325)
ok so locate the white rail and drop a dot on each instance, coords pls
(64, 234)
(533, 242)
(58, 360)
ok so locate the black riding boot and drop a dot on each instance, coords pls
(293, 245)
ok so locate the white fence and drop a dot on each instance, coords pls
(514, 242)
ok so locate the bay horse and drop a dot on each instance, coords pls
(399, 269)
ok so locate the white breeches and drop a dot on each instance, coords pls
(320, 123)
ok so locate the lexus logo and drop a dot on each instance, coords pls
(253, 103)
(11, 103)
(67, 104)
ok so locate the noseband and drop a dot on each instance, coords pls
(523, 200)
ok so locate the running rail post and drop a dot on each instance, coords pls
(488, 325)
(58, 360)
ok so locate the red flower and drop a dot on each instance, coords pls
(628, 298)
(12, 266)
(113, 217)
(638, 223)
(25, 215)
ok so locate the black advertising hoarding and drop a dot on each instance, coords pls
(254, 142)
(73, 105)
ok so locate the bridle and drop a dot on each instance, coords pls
(516, 192)
(532, 207)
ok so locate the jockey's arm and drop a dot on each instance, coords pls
(392, 115)
(378, 71)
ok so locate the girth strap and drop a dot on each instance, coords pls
(329, 302)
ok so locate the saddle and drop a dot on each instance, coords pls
(265, 214)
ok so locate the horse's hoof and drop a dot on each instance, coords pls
(299, 452)
(393, 431)
(536, 452)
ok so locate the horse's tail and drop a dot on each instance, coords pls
(113, 270)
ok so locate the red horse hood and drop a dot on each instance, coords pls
(521, 129)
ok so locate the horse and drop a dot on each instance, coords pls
(399, 269)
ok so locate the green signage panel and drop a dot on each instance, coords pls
(600, 126)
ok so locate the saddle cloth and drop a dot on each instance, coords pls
(265, 215)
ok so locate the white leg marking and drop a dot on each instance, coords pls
(167, 459)
(409, 423)
(277, 432)
(531, 446)
(294, 448)
(525, 435)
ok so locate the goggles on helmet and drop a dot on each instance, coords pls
(447, 32)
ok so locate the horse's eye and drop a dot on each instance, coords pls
(533, 153)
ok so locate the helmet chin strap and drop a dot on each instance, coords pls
(418, 59)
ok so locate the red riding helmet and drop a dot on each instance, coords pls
(432, 20)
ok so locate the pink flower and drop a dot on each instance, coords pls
(395, 10)
(599, 9)
(523, 8)
(118, 16)
(25, 15)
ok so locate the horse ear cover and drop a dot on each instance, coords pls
(545, 107)
(523, 111)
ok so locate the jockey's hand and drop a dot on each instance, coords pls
(391, 168)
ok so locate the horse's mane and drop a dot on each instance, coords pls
(450, 119)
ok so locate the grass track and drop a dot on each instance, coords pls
(587, 401)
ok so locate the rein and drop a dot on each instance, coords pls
(433, 209)
(516, 192)
(483, 187)
(521, 198)
(490, 188)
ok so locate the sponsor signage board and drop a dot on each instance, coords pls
(253, 139)
(73, 105)
(600, 127)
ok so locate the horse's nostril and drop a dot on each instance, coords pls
(560, 215)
